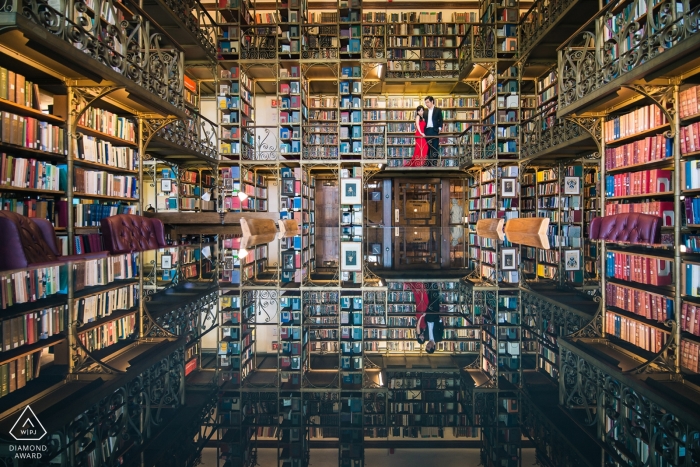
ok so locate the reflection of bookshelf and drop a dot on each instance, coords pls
(352, 364)
(350, 111)
(292, 95)
(236, 113)
(399, 336)
(424, 404)
(321, 131)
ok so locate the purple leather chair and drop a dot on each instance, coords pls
(26, 242)
(125, 233)
(630, 227)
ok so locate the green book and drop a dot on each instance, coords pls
(3, 82)
(4, 380)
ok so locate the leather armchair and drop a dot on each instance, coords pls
(27, 242)
(125, 233)
(632, 227)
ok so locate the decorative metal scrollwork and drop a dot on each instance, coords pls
(618, 41)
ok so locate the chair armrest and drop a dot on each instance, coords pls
(594, 228)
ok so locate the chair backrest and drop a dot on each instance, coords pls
(631, 227)
(127, 232)
(23, 241)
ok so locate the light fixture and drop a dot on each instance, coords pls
(242, 195)
(381, 380)
(381, 284)
(379, 70)
(242, 253)
(683, 248)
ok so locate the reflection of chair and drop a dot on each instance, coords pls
(288, 227)
(529, 231)
(27, 242)
(255, 227)
(631, 227)
(126, 232)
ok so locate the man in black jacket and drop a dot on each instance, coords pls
(433, 126)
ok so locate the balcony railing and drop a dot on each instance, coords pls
(198, 21)
(115, 38)
(197, 134)
(110, 431)
(615, 44)
(478, 45)
(642, 421)
(539, 18)
(448, 155)
(538, 141)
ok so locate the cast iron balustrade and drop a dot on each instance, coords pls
(197, 134)
(552, 447)
(539, 141)
(120, 40)
(625, 41)
(110, 431)
(198, 21)
(259, 43)
(542, 15)
(471, 148)
(319, 42)
(478, 45)
(641, 421)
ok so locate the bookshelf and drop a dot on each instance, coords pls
(350, 20)
(292, 97)
(424, 404)
(321, 131)
(421, 45)
(392, 117)
(350, 111)
(321, 36)
(236, 114)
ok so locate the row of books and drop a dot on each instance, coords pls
(17, 373)
(89, 213)
(32, 285)
(635, 332)
(644, 270)
(649, 149)
(109, 123)
(14, 87)
(38, 208)
(108, 334)
(102, 183)
(647, 304)
(104, 304)
(91, 149)
(637, 121)
(30, 173)
(30, 328)
(31, 133)
(639, 183)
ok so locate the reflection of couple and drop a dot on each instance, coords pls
(429, 325)
(428, 126)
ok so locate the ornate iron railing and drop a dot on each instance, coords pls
(319, 43)
(259, 43)
(552, 448)
(538, 140)
(127, 44)
(197, 134)
(109, 432)
(478, 45)
(192, 319)
(447, 156)
(635, 427)
(541, 16)
(472, 149)
(620, 38)
(198, 21)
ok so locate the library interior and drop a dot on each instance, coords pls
(300, 233)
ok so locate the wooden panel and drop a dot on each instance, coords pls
(327, 222)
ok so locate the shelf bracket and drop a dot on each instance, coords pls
(151, 126)
(83, 97)
(595, 327)
(84, 364)
(593, 126)
(664, 361)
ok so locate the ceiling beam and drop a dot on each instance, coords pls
(400, 5)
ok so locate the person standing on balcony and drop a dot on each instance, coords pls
(421, 150)
(433, 125)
